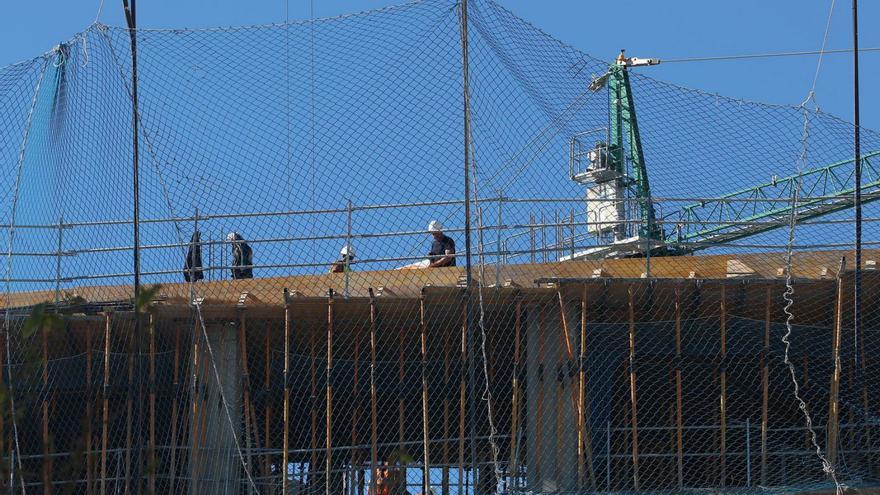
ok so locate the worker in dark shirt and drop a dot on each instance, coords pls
(442, 248)
(343, 264)
(242, 257)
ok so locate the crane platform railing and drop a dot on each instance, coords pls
(828, 189)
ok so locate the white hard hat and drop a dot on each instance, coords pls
(435, 226)
(347, 251)
(231, 236)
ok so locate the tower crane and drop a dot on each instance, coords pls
(621, 212)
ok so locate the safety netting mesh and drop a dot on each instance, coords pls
(658, 294)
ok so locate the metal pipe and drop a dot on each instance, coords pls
(286, 407)
(426, 464)
(632, 388)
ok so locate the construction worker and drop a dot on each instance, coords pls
(242, 257)
(343, 264)
(192, 267)
(599, 156)
(442, 248)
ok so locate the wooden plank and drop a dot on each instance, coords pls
(423, 330)
(833, 396)
(765, 386)
(267, 401)
(105, 406)
(462, 392)
(374, 454)
(585, 444)
(285, 449)
(515, 395)
(90, 458)
(151, 453)
(679, 409)
(723, 385)
(632, 388)
(246, 392)
(47, 459)
(539, 401)
(444, 483)
(175, 407)
(355, 410)
(195, 430)
(329, 419)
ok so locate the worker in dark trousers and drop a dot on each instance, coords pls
(442, 248)
(242, 257)
(192, 267)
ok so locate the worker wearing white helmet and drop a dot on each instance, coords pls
(242, 256)
(343, 264)
(442, 248)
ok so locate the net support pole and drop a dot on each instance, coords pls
(374, 451)
(765, 385)
(679, 441)
(423, 330)
(130, 8)
(632, 388)
(722, 402)
(857, 146)
(466, 106)
(329, 418)
(285, 451)
(834, 392)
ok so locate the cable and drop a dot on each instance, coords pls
(764, 55)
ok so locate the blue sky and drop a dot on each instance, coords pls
(387, 104)
(646, 28)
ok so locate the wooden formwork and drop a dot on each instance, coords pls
(594, 384)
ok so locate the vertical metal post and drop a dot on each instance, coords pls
(857, 280)
(543, 238)
(130, 8)
(571, 231)
(58, 259)
(347, 248)
(47, 459)
(532, 238)
(499, 257)
(559, 240)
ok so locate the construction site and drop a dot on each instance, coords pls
(197, 300)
